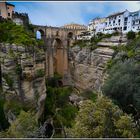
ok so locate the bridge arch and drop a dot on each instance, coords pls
(70, 35)
(40, 34)
(58, 56)
(57, 41)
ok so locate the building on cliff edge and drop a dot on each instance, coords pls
(124, 22)
(7, 12)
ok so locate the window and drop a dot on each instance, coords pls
(125, 19)
(119, 20)
(125, 28)
(9, 14)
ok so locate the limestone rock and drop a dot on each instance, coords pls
(26, 85)
(10, 116)
(75, 99)
(87, 67)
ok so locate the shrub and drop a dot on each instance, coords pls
(123, 85)
(23, 127)
(115, 33)
(18, 69)
(67, 114)
(40, 73)
(102, 119)
(88, 94)
(12, 33)
(28, 76)
(13, 105)
(131, 35)
(8, 80)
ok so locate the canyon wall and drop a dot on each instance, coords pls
(23, 75)
(87, 67)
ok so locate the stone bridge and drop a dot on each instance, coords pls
(57, 42)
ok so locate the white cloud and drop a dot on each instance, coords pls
(60, 13)
(55, 14)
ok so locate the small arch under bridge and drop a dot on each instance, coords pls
(57, 41)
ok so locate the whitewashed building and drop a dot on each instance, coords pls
(96, 25)
(114, 22)
(135, 18)
(121, 22)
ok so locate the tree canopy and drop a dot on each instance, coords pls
(102, 119)
(24, 126)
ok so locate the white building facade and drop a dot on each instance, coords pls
(121, 22)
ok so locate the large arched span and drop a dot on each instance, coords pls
(56, 46)
(59, 56)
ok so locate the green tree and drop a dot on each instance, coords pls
(12, 33)
(24, 126)
(123, 85)
(102, 119)
(131, 35)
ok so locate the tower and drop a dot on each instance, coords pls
(6, 10)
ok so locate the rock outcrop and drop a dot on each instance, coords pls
(113, 41)
(23, 74)
(87, 68)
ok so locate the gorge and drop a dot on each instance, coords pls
(54, 77)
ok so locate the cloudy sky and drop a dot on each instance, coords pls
(60, 13)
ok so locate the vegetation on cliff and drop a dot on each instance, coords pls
(123, 82)
(123, 85)
(19, 35)
(94, 116)
(92, 43)
(12, 33)
(102, 119)
(58, 107)
(23, 127)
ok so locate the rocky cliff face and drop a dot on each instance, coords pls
(23, 75)
(113, 41)
(87, 68)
